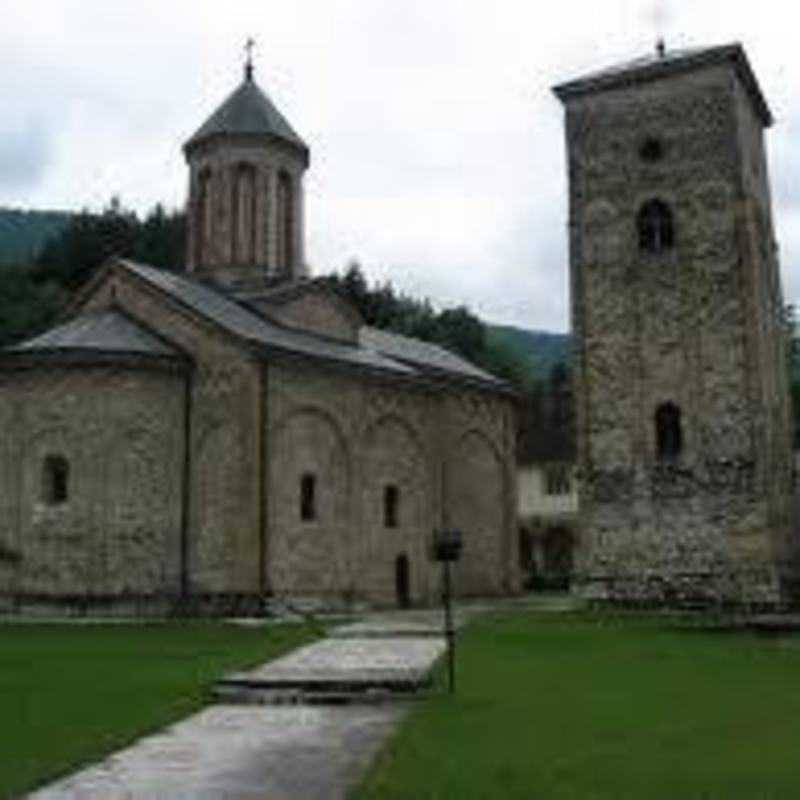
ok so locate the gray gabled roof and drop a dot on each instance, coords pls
(103, 331)
(247, 111)
(249, 325)
(656, 65)
(425, 355)
(377, 350)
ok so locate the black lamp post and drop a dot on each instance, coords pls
(446, 549)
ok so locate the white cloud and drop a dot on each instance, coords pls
(437, 148)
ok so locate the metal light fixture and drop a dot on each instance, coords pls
(446, 548)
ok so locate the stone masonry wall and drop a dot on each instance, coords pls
(696, 325)
(254, 430)
(358, 436)
(480, 490)
(225, 523)
(314, 312)
(118, 531)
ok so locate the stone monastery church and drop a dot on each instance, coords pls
(232, 431)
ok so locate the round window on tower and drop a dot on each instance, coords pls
(651, 150)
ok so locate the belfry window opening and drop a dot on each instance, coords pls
(655, 226)
(669, 436)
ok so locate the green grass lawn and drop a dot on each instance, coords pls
(603, 707)
(72, 693)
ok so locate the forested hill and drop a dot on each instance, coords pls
(541, 350)
(23, 233)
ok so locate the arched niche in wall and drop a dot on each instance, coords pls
(395, 510)
(475, 493)
(308, 505)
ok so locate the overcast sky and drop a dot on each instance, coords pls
(437, 154)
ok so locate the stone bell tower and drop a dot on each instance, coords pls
(683, 417)
(245, 207)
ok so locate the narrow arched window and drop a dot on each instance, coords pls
(243, 214)
(391, 500)
(669, 437)
(285, 221)
(308, 500)
(55, 480)
(202, 216)
(656, 230)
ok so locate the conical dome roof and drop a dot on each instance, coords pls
(247, 111)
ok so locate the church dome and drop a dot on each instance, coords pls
(247, 112)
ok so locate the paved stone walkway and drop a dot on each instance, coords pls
(283, 752)
(243, 752)
(413, 623)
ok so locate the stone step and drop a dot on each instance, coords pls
(309, 696)
(389, 632)
(334, 683)
(416, 624)
(339, 668)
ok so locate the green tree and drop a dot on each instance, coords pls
(26, 307)
(31, 296)
(462, 331)
(457, 329)
(71, 257)
(161, 239)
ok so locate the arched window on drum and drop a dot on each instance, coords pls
(285, 221)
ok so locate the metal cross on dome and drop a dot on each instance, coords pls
(660, 13)
(248, 67)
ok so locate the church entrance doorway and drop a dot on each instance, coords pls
(557, 552)
(401, 581)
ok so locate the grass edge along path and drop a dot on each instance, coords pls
(602, 706)
(72, 694)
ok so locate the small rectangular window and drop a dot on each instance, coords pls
(55, 480)
(391, 498)
(668, 431)
(308, 510)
